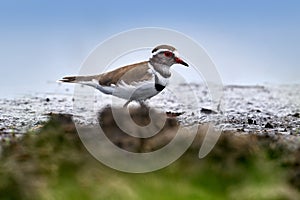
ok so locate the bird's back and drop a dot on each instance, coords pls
(128, 74)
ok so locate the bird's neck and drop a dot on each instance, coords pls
(162, 69)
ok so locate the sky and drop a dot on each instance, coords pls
(250, 42)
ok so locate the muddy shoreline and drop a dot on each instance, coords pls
(261, 110)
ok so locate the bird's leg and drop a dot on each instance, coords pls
(143, 104)
(126, 104)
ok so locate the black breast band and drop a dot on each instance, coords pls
(159, 87)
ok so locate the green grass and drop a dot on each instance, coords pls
(53, 164)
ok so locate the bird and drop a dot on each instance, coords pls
(135, 82)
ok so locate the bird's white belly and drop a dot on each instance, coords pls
(139, 91)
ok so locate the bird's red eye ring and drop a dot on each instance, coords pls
(168, 54)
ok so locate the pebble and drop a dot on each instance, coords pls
(208, 111)
(296, 115)
(250, 121)
(268, 125)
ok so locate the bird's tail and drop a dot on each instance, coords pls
(77, 79)
(92, 81)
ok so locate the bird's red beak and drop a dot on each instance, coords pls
(180, 61)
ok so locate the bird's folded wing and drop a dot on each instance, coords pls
(129, 74)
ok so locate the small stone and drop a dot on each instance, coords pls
(208, 111)
(47, 99)
(268, 125)
(250, 121)
(173, 114)
(296, 115)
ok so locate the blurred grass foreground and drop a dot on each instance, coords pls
(52, 163)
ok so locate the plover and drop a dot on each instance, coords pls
(135, 82)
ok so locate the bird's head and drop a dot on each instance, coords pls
(166, 55)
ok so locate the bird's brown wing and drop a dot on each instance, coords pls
(130, 73)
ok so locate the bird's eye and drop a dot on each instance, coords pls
(168, 54)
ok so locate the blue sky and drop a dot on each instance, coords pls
(251, 42)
